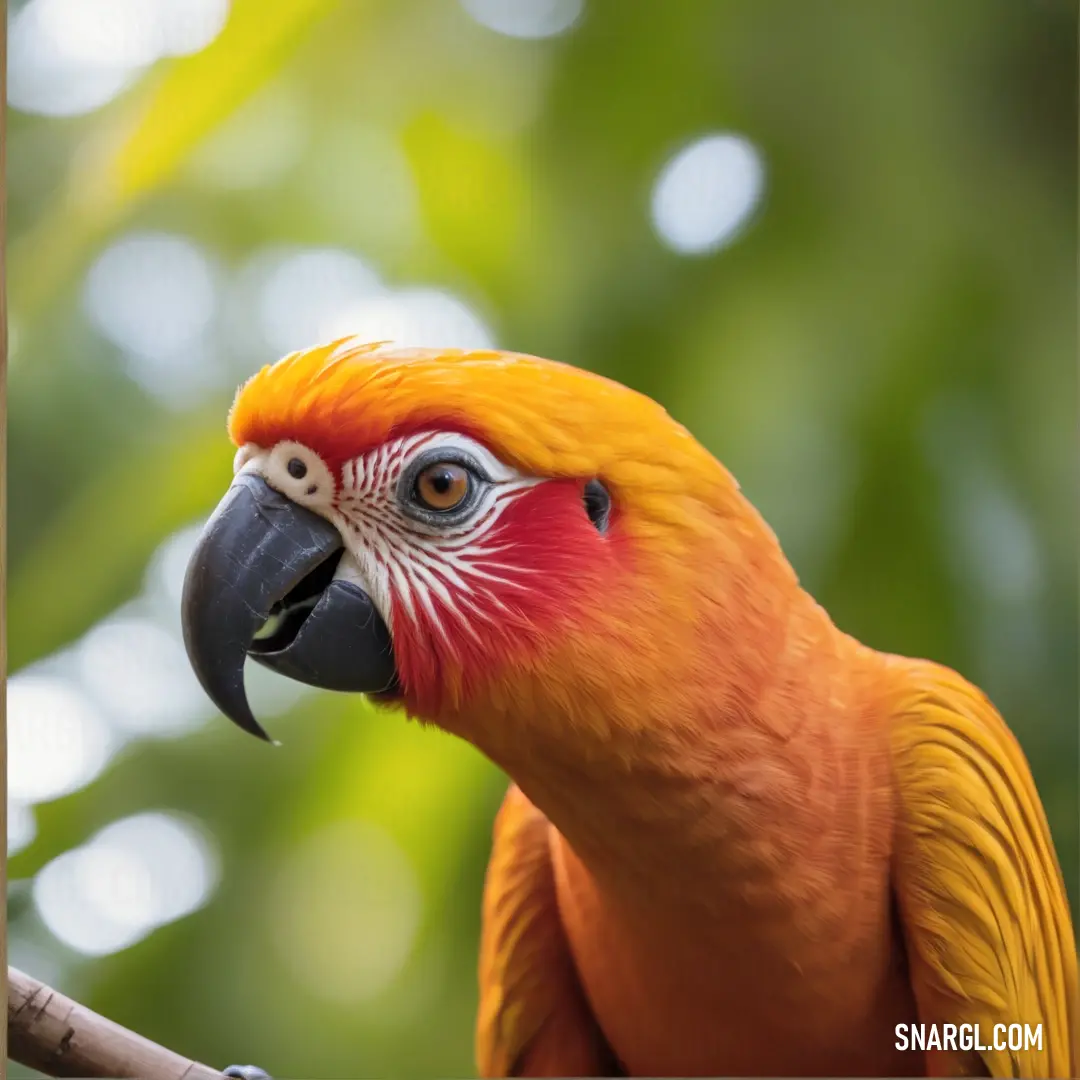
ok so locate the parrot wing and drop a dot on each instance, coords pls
(980, 892)
(533, 1018)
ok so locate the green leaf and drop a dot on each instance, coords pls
(142, 149)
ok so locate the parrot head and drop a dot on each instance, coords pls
(464, 534)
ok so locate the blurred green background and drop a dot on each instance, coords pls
(835, 238)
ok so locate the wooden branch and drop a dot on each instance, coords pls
(59, 1037)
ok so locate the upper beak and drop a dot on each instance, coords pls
(261, 555)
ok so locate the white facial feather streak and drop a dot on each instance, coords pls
(440, 572)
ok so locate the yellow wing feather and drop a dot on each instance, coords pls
(533, 1018)
(981, 896)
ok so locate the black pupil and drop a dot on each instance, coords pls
(442, 480)
(297, 469)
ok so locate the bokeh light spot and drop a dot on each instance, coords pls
(303, 294)
(168, 567)
(188, 26)
(69, 57)
(57, 740)
(141, 677)
(415, 318)
(306, 297)
(153, 296)
(525, 18)
(271, 694)
(706, 193)
(133, 876)
(21, 826)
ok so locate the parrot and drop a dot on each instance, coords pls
(735, 841)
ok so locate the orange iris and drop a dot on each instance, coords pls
(442, 486)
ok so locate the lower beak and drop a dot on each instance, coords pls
(260, 583)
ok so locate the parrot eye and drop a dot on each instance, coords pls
(443, 486)
(297, 469)
(597, 504)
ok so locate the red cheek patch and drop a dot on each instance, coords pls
(542, 560)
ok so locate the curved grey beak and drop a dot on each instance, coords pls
(260, 584)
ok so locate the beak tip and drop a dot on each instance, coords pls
(246, 719)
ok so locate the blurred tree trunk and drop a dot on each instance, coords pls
(3, 490)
